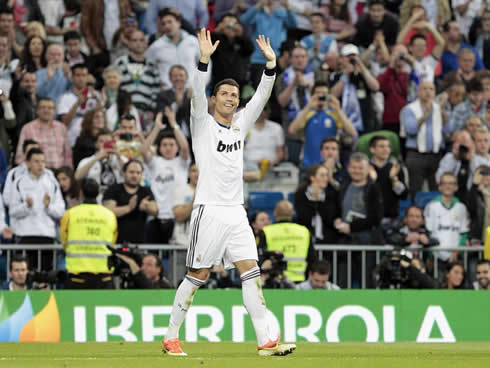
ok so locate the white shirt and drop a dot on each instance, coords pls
(446, 224)
(425, 68)
(53, 11)
(111, 20)
(218, 149)
(182, 196)
(36, 220)
(166, 177)
(466, 20)
(262, 144)
(64, 105)
(105, 172)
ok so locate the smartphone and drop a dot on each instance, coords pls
(126, 137)
(322, 98)
(109, 145)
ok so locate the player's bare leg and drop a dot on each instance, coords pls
(254, 302)
(182, 302)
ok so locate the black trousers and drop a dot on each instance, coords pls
(421, 166)
(89, 281)
(32, 255)
(159, 231)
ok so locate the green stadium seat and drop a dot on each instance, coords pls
(363, 144)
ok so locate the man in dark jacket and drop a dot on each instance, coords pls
(479, 211)
(361, 204)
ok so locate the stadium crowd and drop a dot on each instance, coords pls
(375, 102)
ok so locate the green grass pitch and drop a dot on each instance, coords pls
(215, 355)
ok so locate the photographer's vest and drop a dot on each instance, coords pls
(293, 241)
(91, 229)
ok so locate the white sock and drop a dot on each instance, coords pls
(182, 303)
(254, 302)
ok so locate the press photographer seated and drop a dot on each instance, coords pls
(148, 275)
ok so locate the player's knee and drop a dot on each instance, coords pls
(201, 274)
(244, 266)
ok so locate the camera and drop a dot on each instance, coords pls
(121, 268)
(352, 61)
(126, 137)
(391, 274)
(230, 25)
(322, 98)
(47, 277)
(279, 265)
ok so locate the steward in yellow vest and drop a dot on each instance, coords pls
(292, 240)
(86, 232)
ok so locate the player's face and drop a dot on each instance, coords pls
(318, 281)
(227, 99)
(133, 175)
(482, 275)
(169, 148)
(414, 219)
(455, 276)
(382, 150)
(18, 273)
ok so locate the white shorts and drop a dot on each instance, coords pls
(219, 233)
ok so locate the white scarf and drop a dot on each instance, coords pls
(416, 108)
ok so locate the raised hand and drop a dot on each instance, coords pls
(206, 45)
(266, 48)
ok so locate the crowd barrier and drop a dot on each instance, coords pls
(331, 252)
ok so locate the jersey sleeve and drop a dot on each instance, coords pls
(199, 102)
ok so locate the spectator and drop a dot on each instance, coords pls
(321, 118)
(452, 97)
(139, 77)
(265, 141)
(454, 277)
(271, 19)
(394, 84)
(466, 11)
(330, 70)
(73, 105)
(424, 126)
(7, 121)
(296, 246)
(482, 42)
(231, 58)
(120, 41)
(54, 80)
(389, 177)
(440, 215)
(18, 275)
(472, 124)
(8, 29)
(69, 186)
(105, 165)
(481, 138)
(123, 107)
(168, 170)
(112, 82)
(8, 64)
(194, 11)
(259, 220)
(475, 104)
(465, 71)
(454, 43)
(478, 203)
(36, 203)
(24, 101)
(178, 98)
(338, 19)
(131, 203)
(73, 49)
(330, 152)
(418, 24)
(375, 20)
(51, 135)
(316, 205)
(318, 277)
(175, 47)
(150, 275)
(34, 54)
(128, 140)
(355, 89)
(319, 42)
(5, 231)
(293, 93)
(92, 123)
(482, 275)
(438, 12)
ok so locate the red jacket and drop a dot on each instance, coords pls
(394, 86)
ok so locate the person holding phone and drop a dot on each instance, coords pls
(321, 118)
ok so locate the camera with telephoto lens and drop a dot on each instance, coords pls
(279, 265)
(391, 273)
(47, 277)
(121, 268)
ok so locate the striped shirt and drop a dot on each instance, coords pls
(141, 79)
(53, 140)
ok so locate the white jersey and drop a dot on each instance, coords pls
(218, 148)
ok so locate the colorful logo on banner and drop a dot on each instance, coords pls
(24, 326)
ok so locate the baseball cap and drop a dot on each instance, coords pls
(349, 49)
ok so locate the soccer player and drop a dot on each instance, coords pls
(219, 225)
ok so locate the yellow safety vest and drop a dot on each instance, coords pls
(91, 228)
(486, 248)
(293, 240)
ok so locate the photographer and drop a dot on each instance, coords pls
(272, 269)
(86, 230)
(18, 272)
(147, 276)
(462, 161)
(398, 270)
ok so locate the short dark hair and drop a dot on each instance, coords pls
(103, 131)
(32, 152)
(159, 263)
(44, 98)
(161, 137)
(90, 188)
(376, 2)
(445, 26)
(18, 259)
(126, 165)
(28, 142)
(318, 14)
(318, 84)
(286, 46)
(374, 140)
(228, 15)
(330, 139)
(416, 37)
(482, 262)
(227, 81)
(321, 267)
(72, 35)
(6, 10)
(172, 12)
(78, 66)
(475, 85)
(414, 206)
